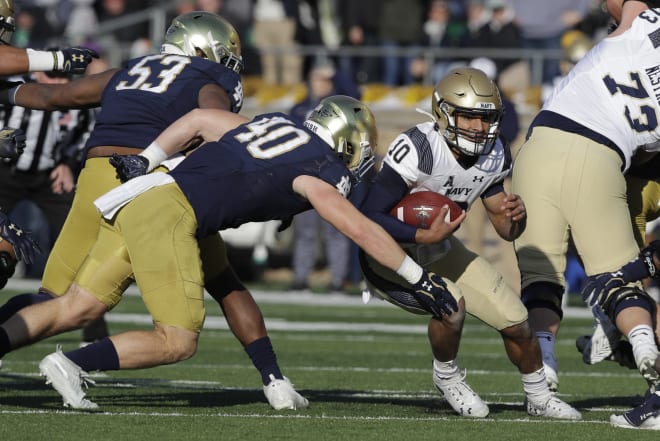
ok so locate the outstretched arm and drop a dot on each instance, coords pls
(428, 288)
(17, 61)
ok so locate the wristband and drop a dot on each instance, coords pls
(410, 270)
(154, 154)
(44, 61)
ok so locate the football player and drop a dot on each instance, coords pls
(458, 154)
(266, 168)
(570, 172)
(198, 67)
(18, 61)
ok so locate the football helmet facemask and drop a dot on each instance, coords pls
(205, 32)
(349, 127)
(7, 23)
(467, 91)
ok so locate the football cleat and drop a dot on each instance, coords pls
(460, 396)
(281, 395)
(622, 352)
(644, 416)
(553, 408)
(551, 377)
(604, 338)
(67, 378)
(647, 369)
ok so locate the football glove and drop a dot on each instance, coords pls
(7, 91)
(75, 59)
(433, 296)
(12, 143)
(598, 286)
(24, 246)
(7, 267)
(129, 166)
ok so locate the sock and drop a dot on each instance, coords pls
(264, 359)
(19, 302)
(445, 370)
(5, 346)
(642, 339)
(536, 387)
(547, 344)
(99, 356)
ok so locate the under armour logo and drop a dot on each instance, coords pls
(16, 229)
(427, 286)
(477, 179)
(78, 58)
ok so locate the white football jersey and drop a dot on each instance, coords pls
(615, 89)
(423, 159)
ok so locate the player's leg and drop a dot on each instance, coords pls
(492, 301)
(246, 323)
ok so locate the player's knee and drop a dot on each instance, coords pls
(223, 284)
(628, 297)
(545, 295)
(179, 344)
(520, 333)
(79, 306)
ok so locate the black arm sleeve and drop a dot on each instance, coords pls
(387, 189)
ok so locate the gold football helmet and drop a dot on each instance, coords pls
(207, 35)
(349, 127)
(470, 92)
(7, 23)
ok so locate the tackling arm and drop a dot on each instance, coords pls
(428, 288)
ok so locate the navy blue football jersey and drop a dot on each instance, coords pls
(152, 92)
(247, 176)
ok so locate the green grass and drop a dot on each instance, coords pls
(363, 385)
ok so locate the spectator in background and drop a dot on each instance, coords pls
(542, 24)
(400, 26)
(360, 21)
(308, 226)
(441, 29)
(275, 29)
(498, 32)
(132, 40)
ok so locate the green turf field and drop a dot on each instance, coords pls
(366, 370)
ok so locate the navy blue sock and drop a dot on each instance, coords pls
(19, 302)
(99, 356)
(263, 357)
(5, 346)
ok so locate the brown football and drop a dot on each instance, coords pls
(421, 208)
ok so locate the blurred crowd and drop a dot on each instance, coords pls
(276, 33)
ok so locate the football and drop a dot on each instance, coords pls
(6, 246)
(421, 208)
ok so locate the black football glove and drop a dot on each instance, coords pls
(432, 294)
(75, 60)
(129, 166)
(7, 92)
(24, 246)
(12, 143)
(598, 287)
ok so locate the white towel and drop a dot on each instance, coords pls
(112, 201)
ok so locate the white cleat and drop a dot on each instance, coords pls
(553, 408)
(460, 396)
(281, 395)
(551, 377)
(647, 369)
(651, 423)
(603, 340)
(67, 378)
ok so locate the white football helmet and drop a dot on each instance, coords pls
(349, 127)
(207, 35)
(470, 92)
(7, 23)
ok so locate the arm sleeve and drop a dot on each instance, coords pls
(387, 189)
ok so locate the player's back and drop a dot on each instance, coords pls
(141, 100)
(614, 89)
(248, 175)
